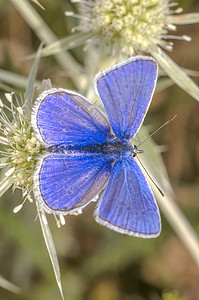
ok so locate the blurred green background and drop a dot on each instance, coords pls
(96, 263)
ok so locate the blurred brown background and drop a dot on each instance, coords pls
(96, 263)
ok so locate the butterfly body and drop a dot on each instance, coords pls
(112, 149)
(88, 151)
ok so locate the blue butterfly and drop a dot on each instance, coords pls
(89, 151)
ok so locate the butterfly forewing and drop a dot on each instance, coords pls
(126, 90)
(128, 205)
(65, 117)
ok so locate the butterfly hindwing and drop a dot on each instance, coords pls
(126, 90)
(128, 205)
(65, 117)
(66, 183)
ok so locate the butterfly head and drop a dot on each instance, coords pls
(136, 151)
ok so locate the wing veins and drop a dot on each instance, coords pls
(86, 111)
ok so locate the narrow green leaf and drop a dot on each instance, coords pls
(50, 246)
(39, 4)
(32, 78)
(5, 284)
(184, 19)
(5, 182)
(67, 43)
(189, 72)
(14, 79)
(176, 73)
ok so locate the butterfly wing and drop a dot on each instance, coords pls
(65, 117)
(128, 205)
(66, 183)
(126, 90)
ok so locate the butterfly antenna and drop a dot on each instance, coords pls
(161, 192)
(157, 130)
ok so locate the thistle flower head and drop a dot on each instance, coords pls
(125, 28)
(130, 27)
(19, 147)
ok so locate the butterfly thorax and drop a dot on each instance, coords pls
(115, 148)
